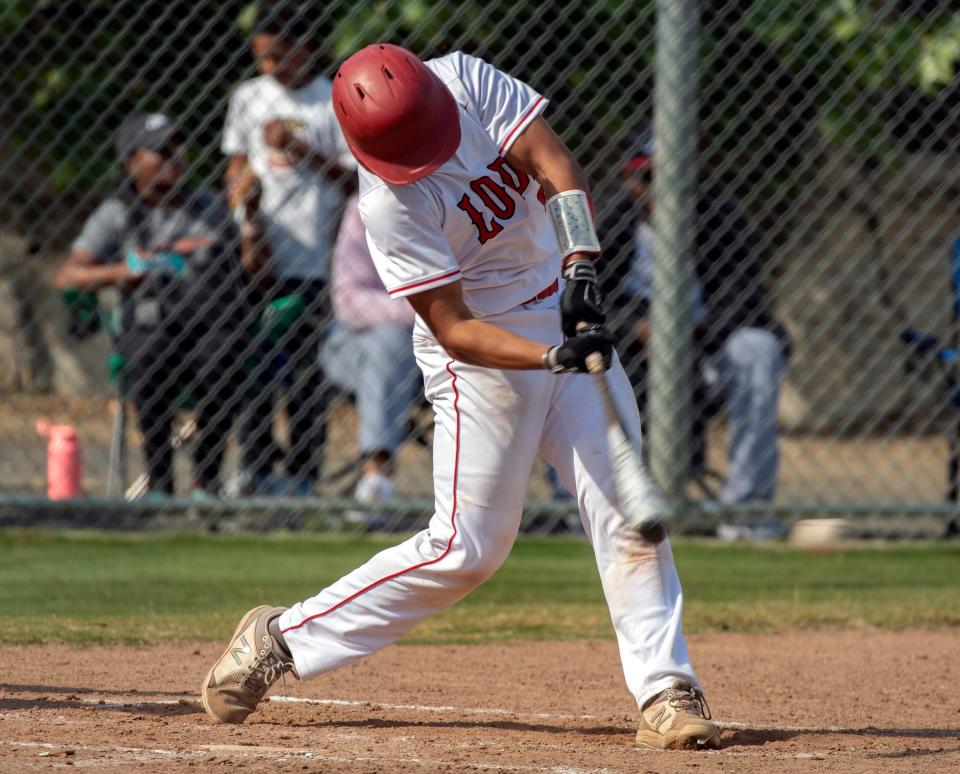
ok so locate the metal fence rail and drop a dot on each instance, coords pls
(782, 208)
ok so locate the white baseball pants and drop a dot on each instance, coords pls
(748, 371)
(490, 425)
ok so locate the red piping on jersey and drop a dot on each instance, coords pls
(520, 123)
(453, 520)
(423, 282)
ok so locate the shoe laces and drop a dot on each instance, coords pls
(688, 698)
(267, 669)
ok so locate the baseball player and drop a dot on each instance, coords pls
(464, 193)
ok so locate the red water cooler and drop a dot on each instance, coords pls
(63, 460)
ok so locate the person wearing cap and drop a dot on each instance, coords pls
(177, 260)
(285, 147)
(478, 215)
(741, 347)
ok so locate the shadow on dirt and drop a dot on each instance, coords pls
(73, 702)
(503, 725)
(748, 737)
(62, 690)
(905, 754)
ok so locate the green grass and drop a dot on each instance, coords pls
(96, 587)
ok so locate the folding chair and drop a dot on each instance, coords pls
(925, 354)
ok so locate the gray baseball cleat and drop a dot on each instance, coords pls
(252, 662)
(678, 719)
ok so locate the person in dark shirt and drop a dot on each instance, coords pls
(740, 346)
(177, 259)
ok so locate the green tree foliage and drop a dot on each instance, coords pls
(885, 70)
(80, 67)
(879, 74)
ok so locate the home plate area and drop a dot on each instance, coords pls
(851, 700)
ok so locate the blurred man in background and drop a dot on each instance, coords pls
(370, 354)
(740, 346)
(176, 258)
(286, 149)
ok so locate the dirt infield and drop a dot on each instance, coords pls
(851, 701)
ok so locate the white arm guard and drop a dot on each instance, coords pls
(572, 223)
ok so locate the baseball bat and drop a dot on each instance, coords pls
(641, 503)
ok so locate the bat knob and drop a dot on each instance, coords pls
(654, 533)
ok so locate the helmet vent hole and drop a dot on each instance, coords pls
(360, 92)
(386, 72)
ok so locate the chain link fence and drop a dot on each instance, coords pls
(822, 307)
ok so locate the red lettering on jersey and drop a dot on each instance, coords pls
(542, 197)
(495, 196)
(484, 232)
(512, 178)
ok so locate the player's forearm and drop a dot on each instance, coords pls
(540, 153)
(558, 173)
(543, 155)
(480, 343)
(471, 340)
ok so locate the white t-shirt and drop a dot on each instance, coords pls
(298, 205)
(475, 219)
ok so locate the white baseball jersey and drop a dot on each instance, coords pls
(475, 219)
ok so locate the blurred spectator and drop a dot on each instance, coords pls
(285, 147)
(370, 354)
(740, 347)
(175, 256)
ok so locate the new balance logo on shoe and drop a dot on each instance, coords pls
(243, 650)
(660, 718)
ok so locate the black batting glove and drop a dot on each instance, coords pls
(571, 356)
(581, 301)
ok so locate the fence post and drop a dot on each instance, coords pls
(674, 218)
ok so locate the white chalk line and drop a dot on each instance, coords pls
(495, 711)
(280, 754)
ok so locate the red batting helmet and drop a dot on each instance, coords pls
(397, 116)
